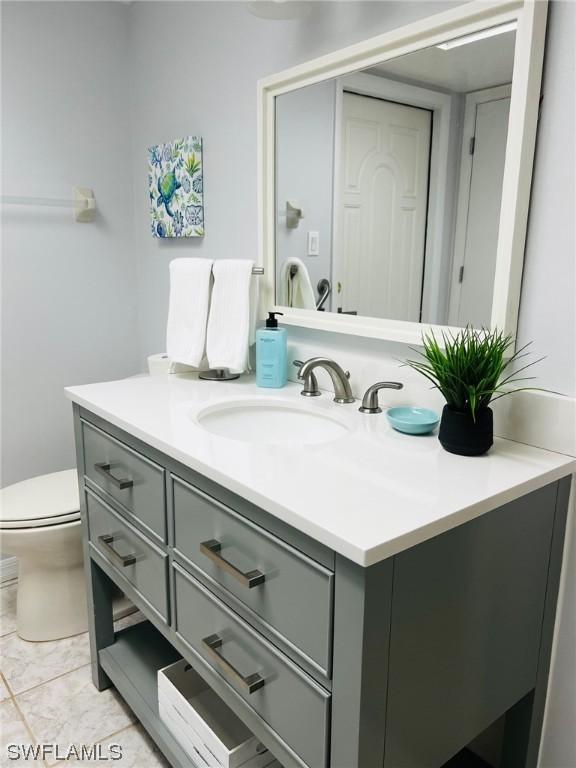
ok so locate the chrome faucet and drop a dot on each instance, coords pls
(342, 390)
(311, 383)
(370, 401)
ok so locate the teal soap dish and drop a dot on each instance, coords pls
(413, 421)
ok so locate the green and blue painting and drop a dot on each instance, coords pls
(176, 187)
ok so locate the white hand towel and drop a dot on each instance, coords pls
(296, 289)
(190, 281)
(232, 320)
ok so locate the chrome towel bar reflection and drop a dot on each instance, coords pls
(324, 290)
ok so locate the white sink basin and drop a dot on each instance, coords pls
(277, 422)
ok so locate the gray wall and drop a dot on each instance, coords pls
(548, 315)
(77, 320)
(170, 98)
(68, 290)
(548, 306)
(225, 114)
(304, 174)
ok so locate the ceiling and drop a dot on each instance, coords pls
(471, 67)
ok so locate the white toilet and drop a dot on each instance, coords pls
(40, 525)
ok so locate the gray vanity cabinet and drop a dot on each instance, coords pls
(330, 664)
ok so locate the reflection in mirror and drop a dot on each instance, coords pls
(389, 182)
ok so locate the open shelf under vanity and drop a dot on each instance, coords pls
(132, 664)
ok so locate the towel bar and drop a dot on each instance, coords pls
(84, 203)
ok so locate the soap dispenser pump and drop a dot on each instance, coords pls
(271, 354)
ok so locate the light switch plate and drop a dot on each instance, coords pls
(313, 243)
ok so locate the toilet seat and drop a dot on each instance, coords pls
(41, 501)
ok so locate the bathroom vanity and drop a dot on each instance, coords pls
(358, 597)
(359, 600)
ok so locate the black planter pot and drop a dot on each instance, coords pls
(460, 434)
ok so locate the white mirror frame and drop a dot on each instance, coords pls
(524, 107)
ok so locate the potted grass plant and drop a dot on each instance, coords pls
(471, 369)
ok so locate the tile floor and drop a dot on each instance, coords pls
(47, 697)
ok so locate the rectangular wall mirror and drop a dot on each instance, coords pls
(396, 175)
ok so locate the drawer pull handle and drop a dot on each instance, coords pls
(249, 579)
(250, 683)
(122, 560)
(119, 482)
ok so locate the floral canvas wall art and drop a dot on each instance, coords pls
(176, 186)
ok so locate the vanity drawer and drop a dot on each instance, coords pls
(287, 590)
(133, 481)
(282, 694)
(139, 561)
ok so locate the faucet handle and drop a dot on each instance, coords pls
(310, 388)
(370, 400)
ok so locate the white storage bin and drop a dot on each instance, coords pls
(203, 724)
(193, 748)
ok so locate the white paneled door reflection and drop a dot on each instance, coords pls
(384, 167)
(479, 200)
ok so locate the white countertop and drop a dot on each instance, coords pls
(367, 495)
